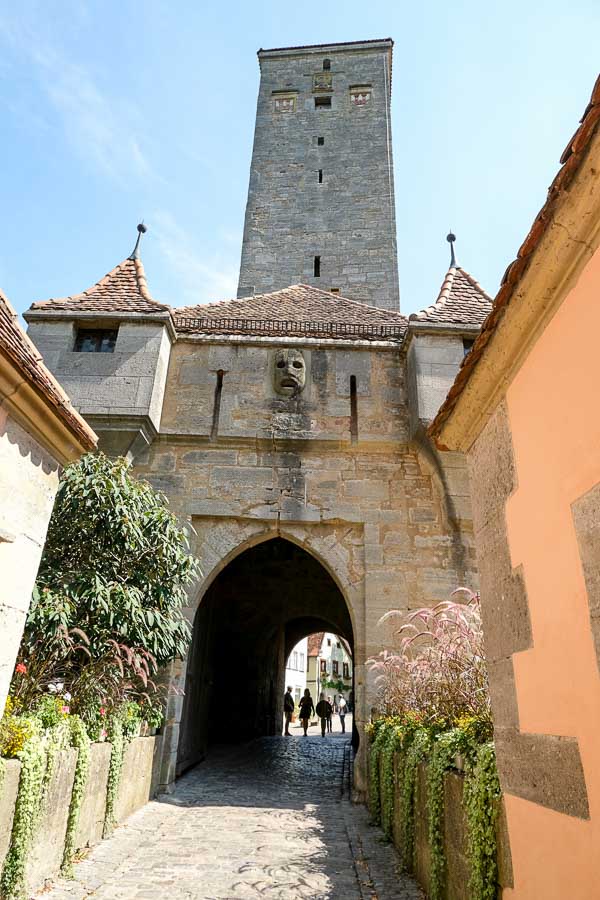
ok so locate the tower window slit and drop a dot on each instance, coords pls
(320, 176)
(214, 431)
(317, 267)
(326, 65)
(320, 141)
(353, 411)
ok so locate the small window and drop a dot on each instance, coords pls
(317, 267)
(334, 290)
(321, 141)
(297, 692)
(322, 102)
(320, 176)
(323, 665)
(467, 344)
(301, 662)
(95, 340)
(346, 670)
(326, 65)
(336, 667)
(329, 642)
(338, 645)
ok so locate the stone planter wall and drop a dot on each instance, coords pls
(139, 782)
(455, 837)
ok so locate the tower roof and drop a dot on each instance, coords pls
(22, 353)
(461, 301)
(123, 289)
(299, 310)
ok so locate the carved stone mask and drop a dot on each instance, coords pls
(289, 373)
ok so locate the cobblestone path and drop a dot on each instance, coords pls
(271, 819)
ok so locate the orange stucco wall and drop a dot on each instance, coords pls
(554, 412)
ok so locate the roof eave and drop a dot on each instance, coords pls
(41, 314)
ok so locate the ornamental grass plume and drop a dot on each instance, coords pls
(438, 669)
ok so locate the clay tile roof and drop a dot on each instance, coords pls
(570, 160)
(15, 344)
(124, 289)
(300, 310)
(314, 643)
(461, 301)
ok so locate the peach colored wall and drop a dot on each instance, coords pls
(554, 417)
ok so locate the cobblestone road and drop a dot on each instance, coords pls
(271, 819)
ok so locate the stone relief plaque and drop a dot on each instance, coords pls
(285, 104)
(360, 96)
(323, 81)
(289, 372)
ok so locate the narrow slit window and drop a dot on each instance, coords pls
(322, 102)
(214, 431)
(326, 65)
(321, 141)
(353, 411)
(317, 267)
(320, 176)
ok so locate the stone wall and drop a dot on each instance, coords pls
(455, 837)
(28, 483)
(348, 219)
(374, 511)
(138, 784)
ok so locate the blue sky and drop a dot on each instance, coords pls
(116, 111)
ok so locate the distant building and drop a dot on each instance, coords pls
(329, 661)
(295, 669)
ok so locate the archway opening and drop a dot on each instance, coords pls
(252, 615)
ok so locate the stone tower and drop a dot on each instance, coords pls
(320, 205)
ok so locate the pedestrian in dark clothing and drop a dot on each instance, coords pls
(330, 716)
(288, 709)
(323, 712)
(306, 707)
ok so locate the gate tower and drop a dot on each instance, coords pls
(320, 207)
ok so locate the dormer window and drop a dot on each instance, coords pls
(95, 340)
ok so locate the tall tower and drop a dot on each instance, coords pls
(320, 205)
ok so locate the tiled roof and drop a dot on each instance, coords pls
(570, 160)
(124, 289)
(314, 643)
(461, 301)
(15, 344)
(300, 310)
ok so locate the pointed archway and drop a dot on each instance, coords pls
(254, 611)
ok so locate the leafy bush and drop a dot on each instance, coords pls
(115, 563)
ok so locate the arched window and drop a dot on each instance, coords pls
(326, 65)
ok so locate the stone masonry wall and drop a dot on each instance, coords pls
(348, 219)
(373, 512)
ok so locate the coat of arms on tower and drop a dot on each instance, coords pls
(284, 103)
(323, 81)
(360, 95)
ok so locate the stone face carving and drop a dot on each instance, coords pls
(289, 373)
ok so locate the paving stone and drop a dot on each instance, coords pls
(269, 819)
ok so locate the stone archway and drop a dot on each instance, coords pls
(255, 606)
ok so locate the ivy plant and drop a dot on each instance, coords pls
(482, 799)
(81, 742)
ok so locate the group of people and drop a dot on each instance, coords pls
(323, 709)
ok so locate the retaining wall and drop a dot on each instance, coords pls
(455, 833)
(139, 783)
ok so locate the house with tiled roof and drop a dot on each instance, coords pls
(40, 432)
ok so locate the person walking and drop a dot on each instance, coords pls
(342, 709)
(288, 709)
(330, 716)
(306, 707)
(323, 712)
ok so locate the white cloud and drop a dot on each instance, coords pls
(202, 278)
(105, 131)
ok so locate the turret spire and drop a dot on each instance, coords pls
(451, 238)
(142, 229)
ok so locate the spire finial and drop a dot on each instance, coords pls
(451, 238)
(142, 229)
